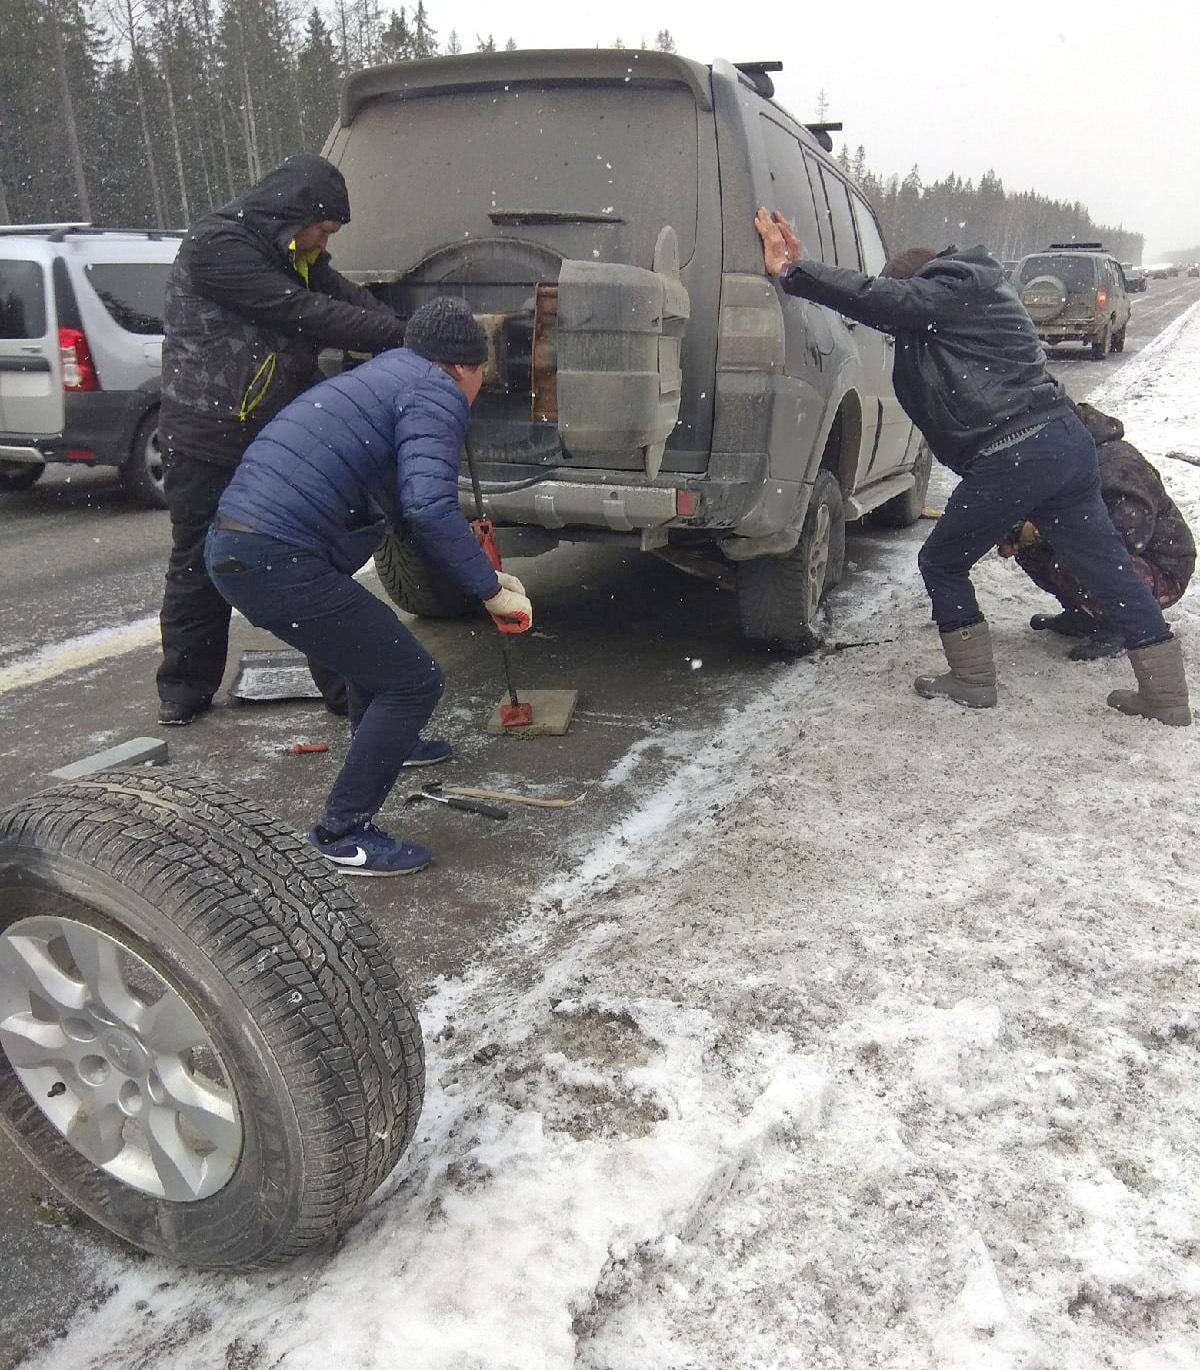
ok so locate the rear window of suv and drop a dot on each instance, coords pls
(132, 292)
(22, 300)
(539, 152)
(1076, 273)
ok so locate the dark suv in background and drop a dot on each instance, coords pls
(1075, 292)
(81, 351)
(649, 385)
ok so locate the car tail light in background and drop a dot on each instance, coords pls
(78, 369)
(1101, 298)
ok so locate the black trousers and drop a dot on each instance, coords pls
(195, 617)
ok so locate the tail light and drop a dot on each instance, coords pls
(78, 369)
(1102, 298)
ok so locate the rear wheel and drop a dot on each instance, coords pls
(19, 475)
(414, 583)
(142, 474)
(778, 597)
(1118, 341)
(1100, 344)
(203, 1044)
(904, 510)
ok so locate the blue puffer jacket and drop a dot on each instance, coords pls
(372, 448)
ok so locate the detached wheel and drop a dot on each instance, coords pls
(904, 510)
(778, 597)
(203, 1045)
(414, 583)
(20, 475)
(142, 474)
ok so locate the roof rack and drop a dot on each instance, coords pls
(756, 74)
(1076, 247)
(55, 233)
(821, 133)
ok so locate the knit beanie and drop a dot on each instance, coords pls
(445, 330)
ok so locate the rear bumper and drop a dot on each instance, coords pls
(1078, 330)
(98, 428)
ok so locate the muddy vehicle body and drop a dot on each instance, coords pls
(1076, 292)
(649, 385)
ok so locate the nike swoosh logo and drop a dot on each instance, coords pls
(358, 859)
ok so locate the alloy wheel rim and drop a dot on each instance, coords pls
(116, 1060)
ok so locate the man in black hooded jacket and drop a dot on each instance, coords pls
(250, 301)
(970, 372)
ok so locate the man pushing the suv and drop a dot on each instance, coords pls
(970, 373)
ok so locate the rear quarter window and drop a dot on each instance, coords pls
(132, 292)
(22, 299)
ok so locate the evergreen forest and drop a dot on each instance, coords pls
(146, 113)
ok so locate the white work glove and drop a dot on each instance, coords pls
(512, 611)
(508, 582)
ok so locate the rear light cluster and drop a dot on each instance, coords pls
(1101, 298)
(78, 369)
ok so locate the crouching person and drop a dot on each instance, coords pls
(1155, 533)
(374, 447)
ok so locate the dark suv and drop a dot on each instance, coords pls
(649, 385)
(81, 351)
(1075, 292)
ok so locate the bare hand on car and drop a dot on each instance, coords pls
(780, 244)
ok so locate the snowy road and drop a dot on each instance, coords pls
(869, 1040)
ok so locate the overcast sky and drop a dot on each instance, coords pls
(1078, 101)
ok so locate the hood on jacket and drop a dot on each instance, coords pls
(1102, 427)
(974, 262)
(301, 191)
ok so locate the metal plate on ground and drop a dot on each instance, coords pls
(273, 673)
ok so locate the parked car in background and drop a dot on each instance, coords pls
(650, 386)
(81, 351)
(1075, 292)
(1194, 270)
(1136, 277)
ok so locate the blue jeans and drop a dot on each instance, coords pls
(394, 684)
(1053, 480)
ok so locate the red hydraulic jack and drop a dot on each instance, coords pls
(514, 714)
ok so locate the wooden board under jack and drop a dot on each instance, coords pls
(552, 712)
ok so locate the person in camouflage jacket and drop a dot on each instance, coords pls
(251, 300)
(1155, 532)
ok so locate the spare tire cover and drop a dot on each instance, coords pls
(1044, 298)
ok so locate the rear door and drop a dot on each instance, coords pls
(31, 402)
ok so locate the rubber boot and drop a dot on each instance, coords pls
(1162, 692)
(971, 679)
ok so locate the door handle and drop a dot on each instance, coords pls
(34, 348)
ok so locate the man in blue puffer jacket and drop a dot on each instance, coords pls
(315, 492)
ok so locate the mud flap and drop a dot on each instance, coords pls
(620, 330)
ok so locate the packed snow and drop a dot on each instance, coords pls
(873, 1041)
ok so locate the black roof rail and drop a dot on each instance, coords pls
(13, 229)
(56, 233)
(1075, 247)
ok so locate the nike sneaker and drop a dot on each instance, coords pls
(368, 850)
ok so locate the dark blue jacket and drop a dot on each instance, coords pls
(369, 449)
(968, 365)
